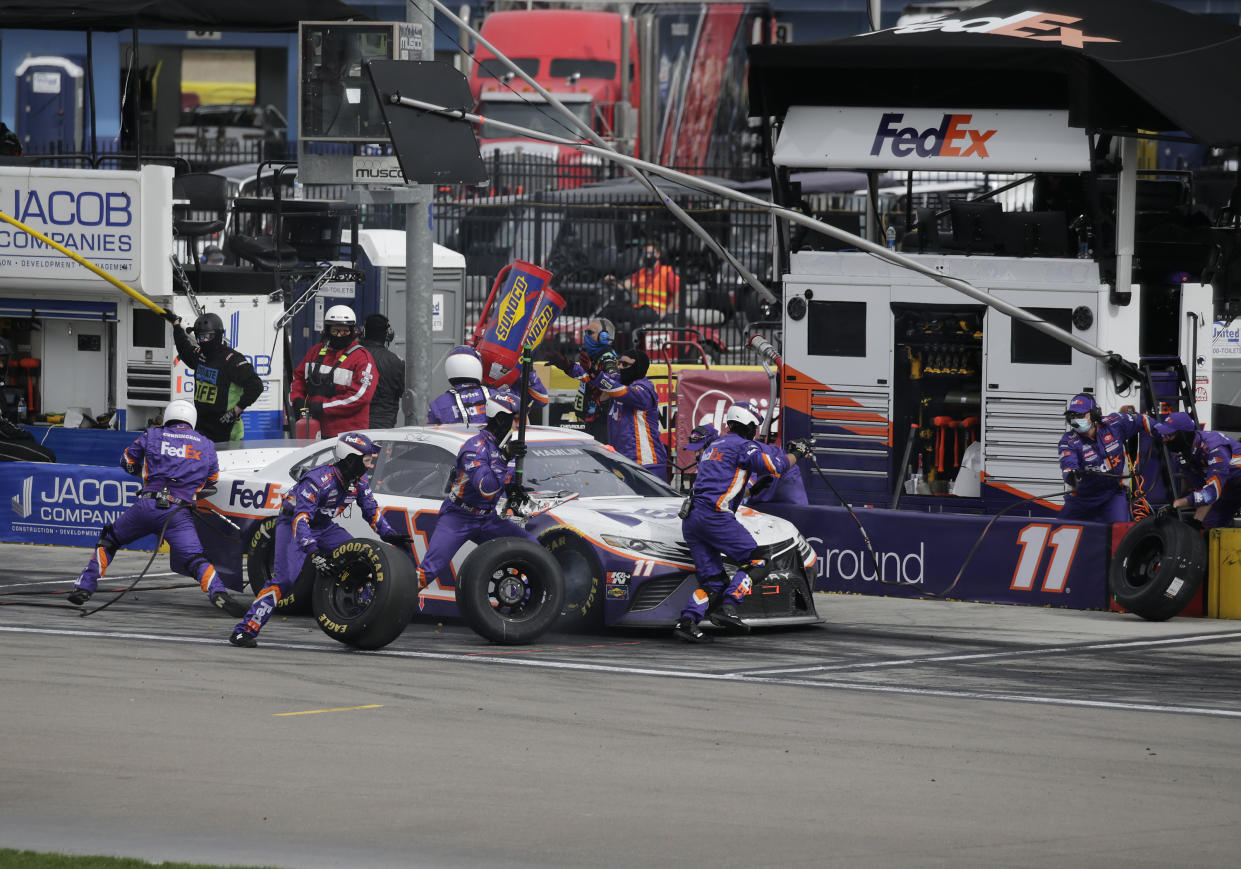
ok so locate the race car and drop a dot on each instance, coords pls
(611, 526)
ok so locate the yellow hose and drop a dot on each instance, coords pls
(119, 284)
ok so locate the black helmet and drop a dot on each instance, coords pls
(209, 323)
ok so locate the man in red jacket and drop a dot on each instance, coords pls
(336, 379)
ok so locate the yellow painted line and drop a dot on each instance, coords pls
(338, 709)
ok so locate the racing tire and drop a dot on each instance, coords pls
(372, 597)
(510, 590)
(583, 580)
(260, 558)
(1158, 566)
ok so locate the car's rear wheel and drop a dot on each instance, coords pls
(583, 579)
(260, 560)
(372, 597)
(1158, 566)
(510, 590)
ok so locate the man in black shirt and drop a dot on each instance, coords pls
(377, 334)
(225, 383)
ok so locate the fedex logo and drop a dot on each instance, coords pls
(185, 451)
(1030, 24)
(266, 498)
(952, 138)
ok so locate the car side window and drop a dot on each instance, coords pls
(413, 470)
(312, 461)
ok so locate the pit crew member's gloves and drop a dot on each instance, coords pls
(299, 406)
(322, 565)
(559, 360)
(801, 447)
(229, 417)
(1072, 478)
(1164, 511)
(315, 408)
(512, 450)
(206, 492)
(128, 467)
(396, 539)
(171, 318)
(760, 485)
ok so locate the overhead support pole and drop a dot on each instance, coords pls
(860, 243)
(1126, 216)
(588, 132)
(419, 261)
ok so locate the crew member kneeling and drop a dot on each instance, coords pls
(481, 474)
(305, 528)
(712, 528)
(175, 463)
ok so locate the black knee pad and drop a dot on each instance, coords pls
(108, 540)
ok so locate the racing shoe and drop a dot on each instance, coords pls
(78, 596)
(245, 639)
(686, 630)
(229, 604)
(726, 617)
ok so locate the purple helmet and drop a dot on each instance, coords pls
(1176, 422)
(701, 436)
(502, 401)
(355, 444)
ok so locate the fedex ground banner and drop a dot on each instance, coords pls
(64, 505)
(825, 137)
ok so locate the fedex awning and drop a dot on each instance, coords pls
(58, 309)
(1113, 66)
(817, 137)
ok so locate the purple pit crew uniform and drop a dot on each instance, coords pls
(633, 421)
(1098, 498)
(469, 512)
(712, 527)
(788, 488)
(305, 526)
(178, 459)
(1215, 467)
(467, 405)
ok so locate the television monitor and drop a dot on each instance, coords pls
(977, 226)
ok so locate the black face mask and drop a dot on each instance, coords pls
(649, 260)
(636, 371)
(339, 342)
(351, 467)
(1182, 443)
(500, 425)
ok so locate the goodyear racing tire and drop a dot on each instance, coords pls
(583, 579)
(1157, 568)
(510, 590)
(372, 597)
(260, 558)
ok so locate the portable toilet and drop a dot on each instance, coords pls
(49, 104)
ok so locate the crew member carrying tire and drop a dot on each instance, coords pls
(306, 528)
(1213, 464)
(175, 463)
(711, 527)
(481, 475)
(336, 379)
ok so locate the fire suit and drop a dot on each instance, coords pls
(336, 386)
(1099, 498)
(711, 528)
(788, 488)
(1214, 468)
(633, 420)
(175, 462)
(305, 526)
(479, 477)
(468, 404)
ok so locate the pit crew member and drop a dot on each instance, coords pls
(1214, 465)
(175, 463)
(305, 528)
(481, 474)
(1092, 460)
(633, 412)
(465, 402)
(710, 527)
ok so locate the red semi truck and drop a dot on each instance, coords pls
(680, 99)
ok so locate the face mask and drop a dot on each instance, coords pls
(1080, 424)
(596, 344)
(339, 341)
(650, 260)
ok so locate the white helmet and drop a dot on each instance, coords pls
(340, 315)
(743, 413)
(182, 410)
(464, 363)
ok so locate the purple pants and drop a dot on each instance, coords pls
(143, 518)
(454, 527)
(1109, 508)
(710, 533)
(287, 563)
(1221, 512)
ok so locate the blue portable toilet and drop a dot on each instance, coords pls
(49, 104)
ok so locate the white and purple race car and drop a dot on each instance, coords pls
(611, 527)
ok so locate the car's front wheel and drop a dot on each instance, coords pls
(510, 590)
(583, 579)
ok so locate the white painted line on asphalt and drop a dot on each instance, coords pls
(1031, 651)
(70, 580)
(651, 671)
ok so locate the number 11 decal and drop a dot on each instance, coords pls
(1034, 540)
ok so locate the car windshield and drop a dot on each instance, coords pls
(589, 471)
